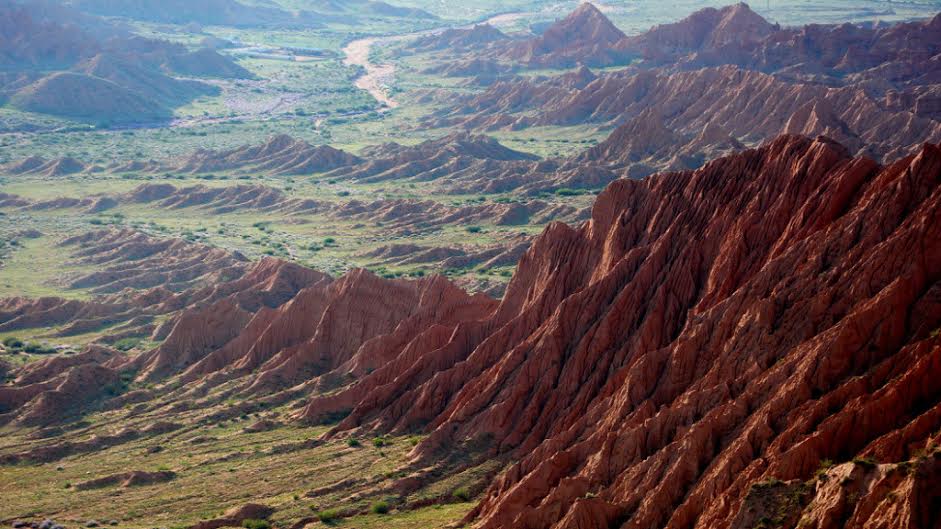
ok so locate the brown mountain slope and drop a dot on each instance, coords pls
(883, 56)
(585, 36)
(280, 154)
(481, 35)
(710, 29)
(155, 87)
(88, 98)
(748, 106)
(68, 64)
(645, 380)
(28, 42)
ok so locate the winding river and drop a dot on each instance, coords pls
(377, 78)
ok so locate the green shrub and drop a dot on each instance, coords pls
(823, 468)
(462, 494)
(379, 442)
(566, 192)
(12, 342)
(126, 344)
(40, 349)
(473, 229)
(252, 523)
(380, 507)
(352, 442)
(865, 462)
(327, 515)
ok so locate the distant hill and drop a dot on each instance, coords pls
(86, 97)
(106, 77)
(210, 12)
(27, 41)
(585, 36)
(150, 84)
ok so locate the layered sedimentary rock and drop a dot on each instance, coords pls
(732, 104)
(280, 154)
(704, 333)
(880, 56)
(463, 163)
(480, 35)
(712, 82)
(585, 36)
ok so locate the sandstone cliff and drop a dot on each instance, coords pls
(706, 331)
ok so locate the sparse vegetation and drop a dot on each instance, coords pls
(126, 344)
(462, 494)
(866, 462)
(252, 523)
(328, 515)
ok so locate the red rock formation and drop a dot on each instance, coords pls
(59, 397)
(353, 325)
(585, 36)
(480, 35)
(462, 163)
(732, 27)
(705, 113)
(703, 332)
(281, 154)
(37, 166)
(133, 478)
(881, 56)
(236, 515)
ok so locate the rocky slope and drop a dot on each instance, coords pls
(585, 36)
(217, 318)
(26, 41)
(463, 163)
(85, 97)
(644, 381)
(881, 57)
(280, 154)
(140, 283)
(685, 109)
(463, 39)
(733, 29)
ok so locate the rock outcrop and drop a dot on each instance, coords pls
(881, 56)
(278, 155)
(709, 84)
(705, 332)
(281, 155)
(585, 36)
(478, 36)
(747, 106)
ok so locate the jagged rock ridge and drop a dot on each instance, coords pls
(645, 380)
